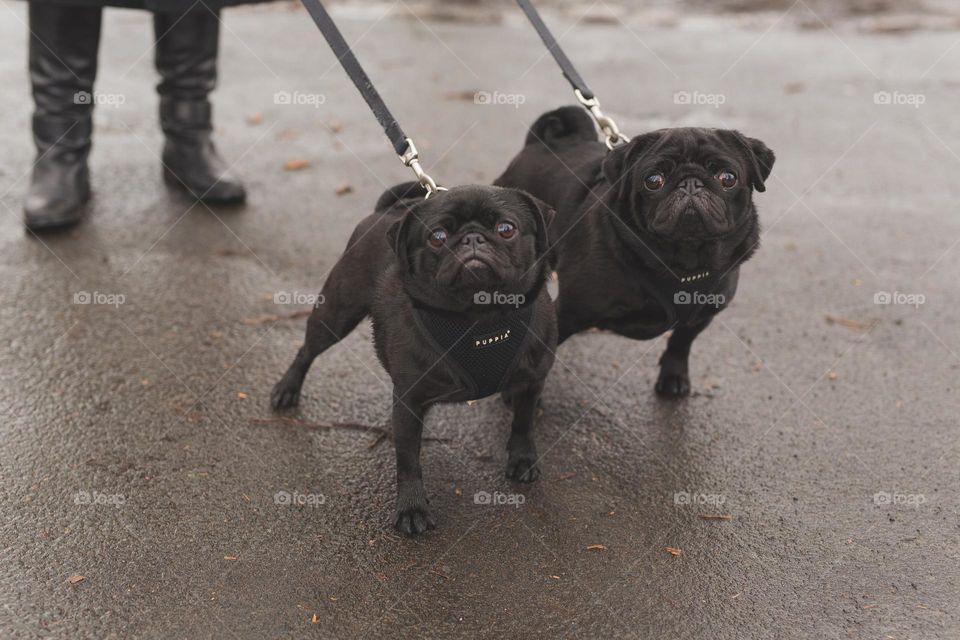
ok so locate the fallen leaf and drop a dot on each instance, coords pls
(295, 165)
(343, 188)
(76, 578)
(849, 323)
(674, 551)
(457, 491)
(227, 253)
(254, 118)
(832, 375)
(313, 620)
(229, 557)
(597, 547)
(794, 87)
(465, 95)
(272, 317)
(242, 395)
(566, 476)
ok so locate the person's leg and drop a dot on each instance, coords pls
(63, 66)
(186, 58)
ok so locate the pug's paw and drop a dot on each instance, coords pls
(672, 384)
(414, 520)
(523, 469)
(284, 395)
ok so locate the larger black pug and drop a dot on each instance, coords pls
(650, 236)
(455, 285)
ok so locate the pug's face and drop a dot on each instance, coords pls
(689, 184)
(470, 240)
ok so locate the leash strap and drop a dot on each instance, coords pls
(402, 145)
(580, 88)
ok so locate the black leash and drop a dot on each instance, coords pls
(580, 88)
(403, 145)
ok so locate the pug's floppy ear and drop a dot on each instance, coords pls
(396, 235)
(543, 214)
(758, 157)
(623, 157)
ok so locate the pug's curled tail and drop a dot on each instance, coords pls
(563, 126)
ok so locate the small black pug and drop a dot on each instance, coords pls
(455, 285)
(650, 236)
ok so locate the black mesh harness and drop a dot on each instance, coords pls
(682, 302)
(483, 354)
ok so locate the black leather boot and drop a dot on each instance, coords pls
(186, 57)
(63, 67)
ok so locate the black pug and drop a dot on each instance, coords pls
(455, 285)
(650, 236)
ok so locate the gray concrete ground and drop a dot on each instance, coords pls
(132, 451)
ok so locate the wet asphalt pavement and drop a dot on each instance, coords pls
(136, 449)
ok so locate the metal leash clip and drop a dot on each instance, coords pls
(411, 158)
(607, 125)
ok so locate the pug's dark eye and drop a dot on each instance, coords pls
(727, 178)
(654, 181)
(506, 229)
(438, 237)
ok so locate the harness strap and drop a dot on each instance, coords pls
(483, 355)
(402, 145)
